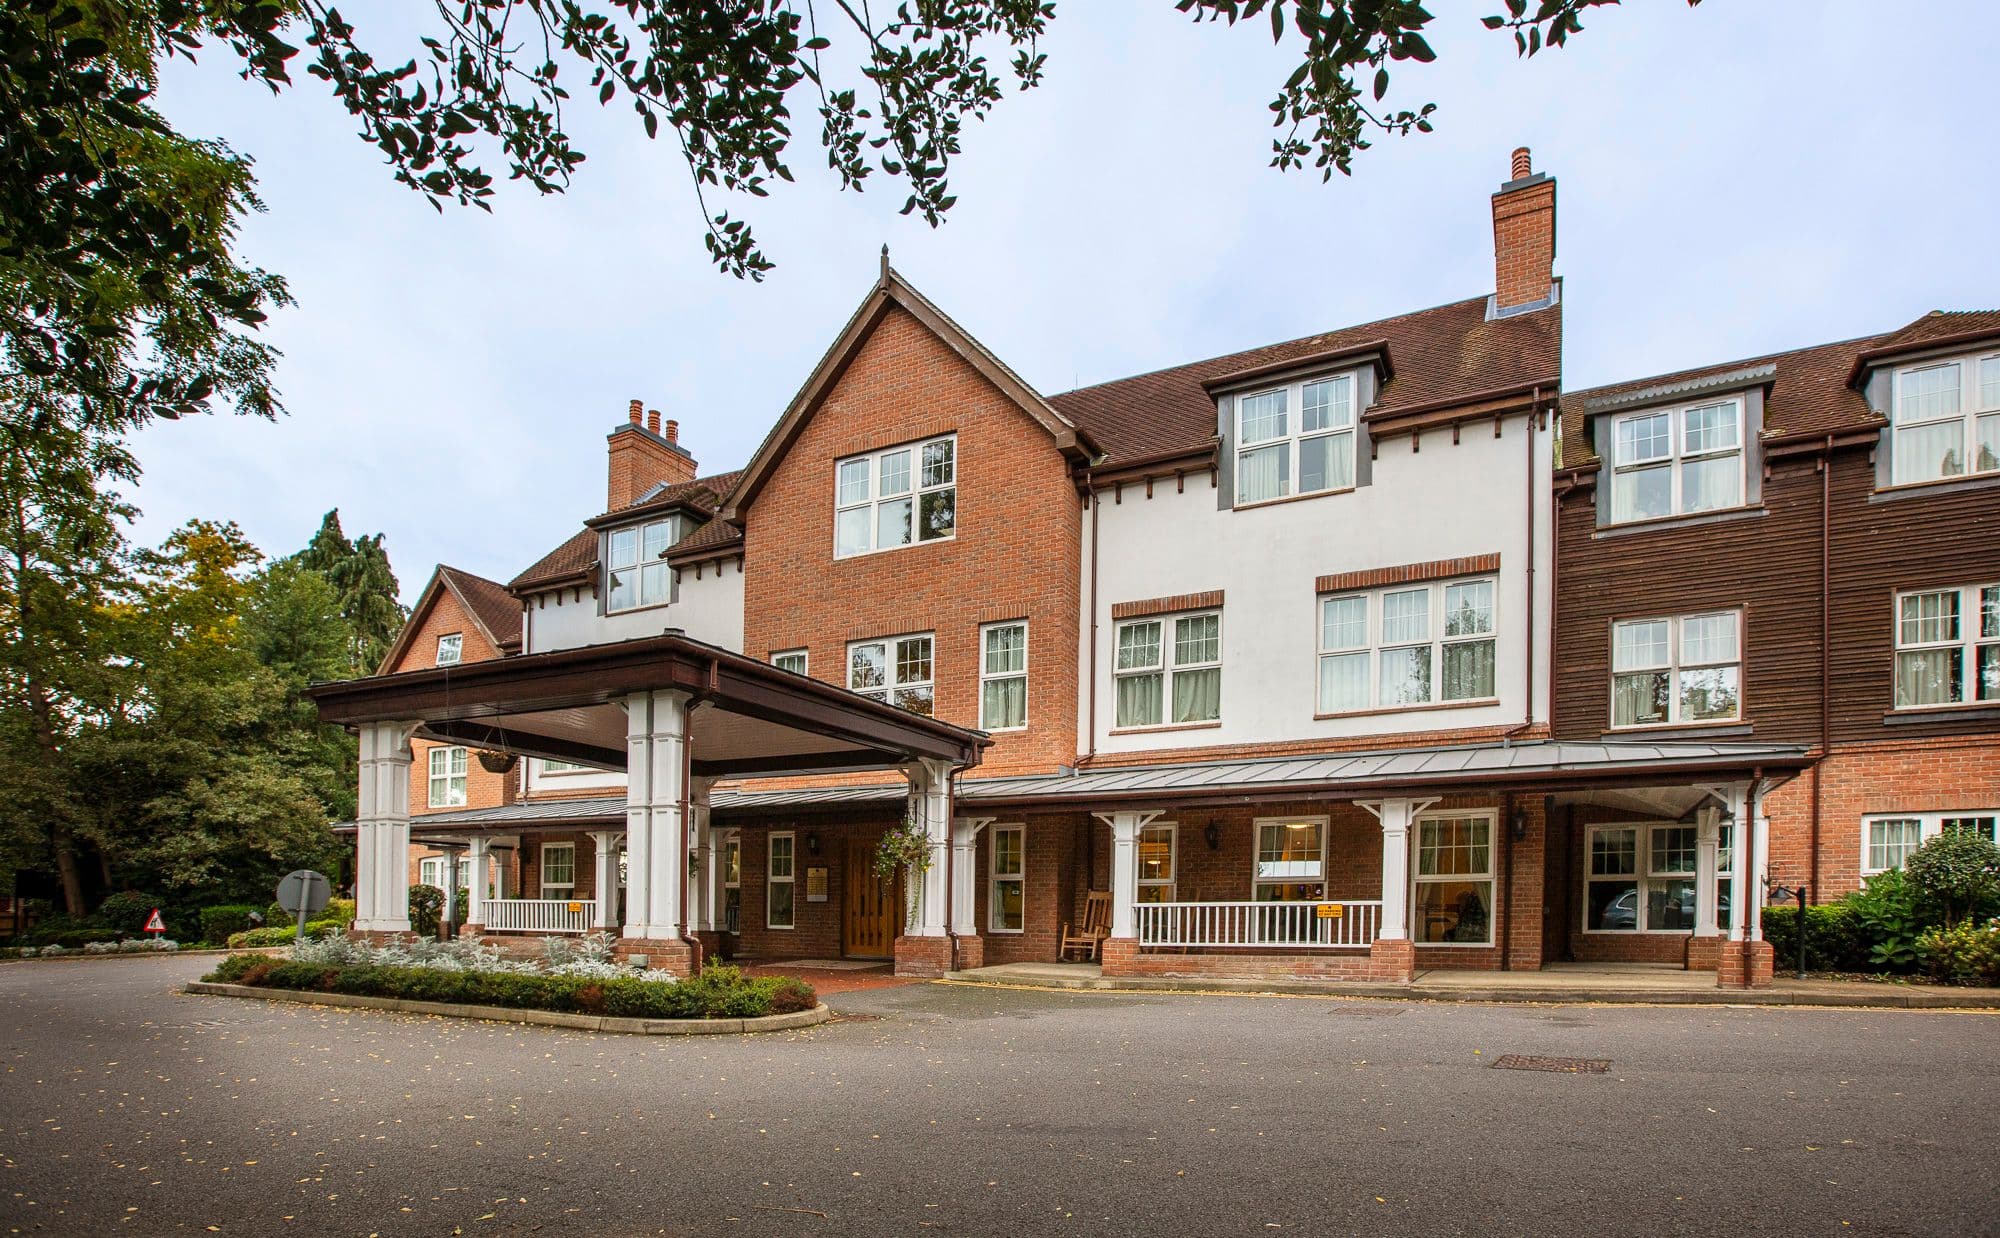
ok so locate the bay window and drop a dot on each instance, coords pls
(1291, 860)
(1677, 669)
(898, 671)
(447, 778)
(779, 909)
(1887, 841)
(1169, 670)
(897, 496)
(636, 572)
(1003, 676)
(1409, 645)
(1452, 902)
(1945, 419)
(1641, 878)
(1156, 863)
(1677, 461)
(1297, 439)
(1008, 872)
(1948, 646)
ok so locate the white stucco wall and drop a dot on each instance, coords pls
(709, 608)
(1444, 501)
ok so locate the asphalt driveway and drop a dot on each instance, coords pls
(128, 1108)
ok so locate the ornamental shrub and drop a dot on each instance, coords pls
(426, 910)
(282, 934)
(789, 995)
(222, 920)
(128, 909)
(1957, 875)
(1835, 940)
(1967, 953)
(1892, 917)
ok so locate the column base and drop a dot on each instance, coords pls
(471, 931)
(1118, 956)
(1745, 965)
(971, 951)
(379, 937)
(682, 958)
(1393, 959)
(1705, 953)
(924, 957)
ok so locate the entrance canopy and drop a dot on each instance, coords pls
(754, 720)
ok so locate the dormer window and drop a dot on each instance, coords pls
(1946, 420)
(894, 497)
(1296, 439)
(636, 573)
(451, 648)
(1677, 461)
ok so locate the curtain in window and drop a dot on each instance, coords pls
(1139, 700)
(1005, 703)
(1468, 670)
(1638, 699)
(1343, 682)
(1198, 695)
(1927, 676)
(1263, 473)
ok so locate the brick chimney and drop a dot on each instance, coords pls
(642, 456)
(1524, 237)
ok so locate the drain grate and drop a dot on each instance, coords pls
(1557, 1065)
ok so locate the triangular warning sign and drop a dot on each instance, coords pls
(153, 922)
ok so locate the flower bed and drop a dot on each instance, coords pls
(573, 980)
(130, 945)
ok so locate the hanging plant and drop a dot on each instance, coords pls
(498, 762)
(905, 851)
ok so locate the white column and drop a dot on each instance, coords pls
(1396, 816)
(965, 874)
(604, 907)
(655, 875)
(1707, 839)
(1125, 826)
(448, 866)
(479, 861)
(382, 827)
(1735, 797)
(1755, 878)
(930, 800)
(703, 903)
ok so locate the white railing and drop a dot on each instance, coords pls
(1346, 924)
(537, 915)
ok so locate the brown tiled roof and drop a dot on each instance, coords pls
(496, 609)
(1810, 391)
(1440, 354)
(579, 553)
(714, 535)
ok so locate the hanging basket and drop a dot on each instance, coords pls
(498, 762)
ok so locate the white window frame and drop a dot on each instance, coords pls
(650, 587)
(1172, 831)
(566, 890)
(995, 878)
(1643, 875)
(797, 661)
(1418, 879)
(547, 768)
(447, 770)
(1291, 441)
(1257, 879)
(732, 880)
(451, 649)
(1167, 666)
(914, 489)
(894, 685)
(1929, 825)
(1674, 667)
(1977, 417)
(1677, 457)
(790, 879)
(987, 675)
(1978, 621)
(1374, 646)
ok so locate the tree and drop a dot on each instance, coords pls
(366, 587)
(1957, 872)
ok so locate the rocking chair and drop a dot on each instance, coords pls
(1088, 941)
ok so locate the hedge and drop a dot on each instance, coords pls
(1836, 938)
(282, 934)
(220, 922)
(719, 993)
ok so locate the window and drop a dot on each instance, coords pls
(1291, 860)
(1888, 841)
(1003, 677)
(636, 573)
(1452, 903)
(1418, 645)
(1156, 864)
(793, 660)
(447, 778)
(1676, 670)
(888, 498)
(558, 870)
(732, 882)
(1677, 461)
(898, 671)
(1278, 453)
(1642, 878)
(1948, 646)
(1153, 670)
(451, 648)
(1008, 866)
(778, 906)
(564, 767)
(1946, 420)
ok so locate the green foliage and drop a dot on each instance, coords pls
(426, 910)
(904, 851)
(220, 922)
(1967, 953)
(1835, 939)
(128, 910)
(1892, 918)
(718, 993)
(68, 935)
(1957, 874)
(283, 934)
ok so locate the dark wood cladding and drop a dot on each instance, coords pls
(1767, 563)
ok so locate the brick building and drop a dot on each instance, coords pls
(1322, 658)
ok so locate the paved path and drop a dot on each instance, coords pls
(127, 1108)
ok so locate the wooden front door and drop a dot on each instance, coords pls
(872, 910)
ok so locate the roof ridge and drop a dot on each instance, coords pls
(1706, 367)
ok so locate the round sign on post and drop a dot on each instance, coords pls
(303, 893)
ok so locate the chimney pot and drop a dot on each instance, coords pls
(673, 430)
(637, 411)
(653, 420)
(1524, 166)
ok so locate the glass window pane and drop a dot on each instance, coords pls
(1639, 645)
(1647, 437)
(850, 532)
(1711, 427)
(1642, 494)
(1673, 849)
(624, 590)
(1614, 853)
(1670, 905)
(895, 472)
(1927, 618)
(1986, 449)
(938, 514)
(939, 461)
(1708, 639)
(1329, 405)
(1343, 623)
(1639, 699)
(853, 482)
(781, 904)
(781, 855)
(1261, 417)
(1712, 482)
(1614, 905)
(1929, 677)
(1987, 673)
(1264, 473)
(1343, 682)
(1003, 703)
(1139, 699)
(1007, 906)
(656, 584)
(1457, 912)
(892, 523)
(1929, 452)
(1198, 695)
(1138, 645)
(867, 666)
(1406, 676)
(1989, 612)
(1406, 616)
(1156, 853)
(1468, 670)
(1326, 463)
(1197, 638)
(1007, 853)
(1926, 394)
(1989, 382)
(1468, 608)
(1708, 694)
(1289, 851)
(624, 548)
(913, 659)
(658, 536)
(1006, 649)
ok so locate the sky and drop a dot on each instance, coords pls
(1733, 179)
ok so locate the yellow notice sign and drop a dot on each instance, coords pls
(576, 907)
(1328, 911)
